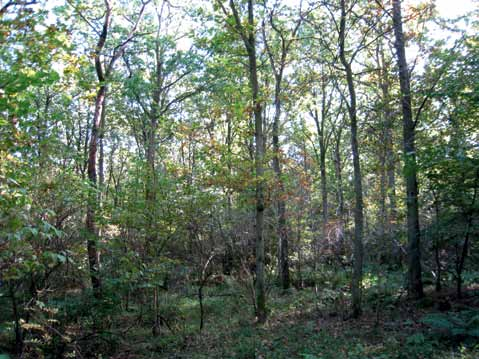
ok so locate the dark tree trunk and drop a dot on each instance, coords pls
(102, 77)
(151, 149)
(278, 66)
(437, 240)
(323, 139)
(358, 192)
(228, 260)
(283, 231)
(248, 36)
(92, 231)
(339, 188)
(415, 288)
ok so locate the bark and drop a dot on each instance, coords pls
(358, 193)
(151, 146)
(278, 66)
(389, 156)
(156, 331)
(383, 149)
(92, 231)
(437, 240)
(382, 203)
(283, 263)
(323, 142)
(103, 74)
(339, 187)
(283, 230)
(228, 259)
(415, 287)
(248, 37)
(101, 158)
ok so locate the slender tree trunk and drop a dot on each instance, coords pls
(415, 288)
(92, 231)
(323, 144)
(156, 308)
(339, 189)
(324, 191)
(202, 310)
(300, 252)
(259, 158)
(389, 156)
(228, 255)
(96, 127)
(152, 177)
(383, 235)
(322, 164)
(249, 39)
(283, 262)
(437, 239)
(278, 67)
(101, 158)
(358, 192)
(382, 203)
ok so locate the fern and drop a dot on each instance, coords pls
(460, 326)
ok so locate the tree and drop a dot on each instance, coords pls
(283, 38)
(358, 191)
(103, 73)
(415, 288)
(248, 36)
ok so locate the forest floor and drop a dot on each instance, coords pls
(311, 323)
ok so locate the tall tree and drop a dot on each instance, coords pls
(324, 135)
(278, 63)
(104, 71)
(247, 32)
(415, 288)
(358, 191)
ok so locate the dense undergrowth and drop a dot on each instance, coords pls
(311, 323)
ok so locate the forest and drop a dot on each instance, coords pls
(239, 179)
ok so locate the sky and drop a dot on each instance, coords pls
(455, 8)
(448, 9)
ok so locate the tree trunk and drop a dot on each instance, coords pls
(339, 189)
(323, 144)
(389, 156)
(415, 288)
(249, 39)
(278, 67)
(358, 210)
(382, 204)
(92, 232)
(437, 240)
(228, 259)
(322, 163)
(283, 262)
(259, 155)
